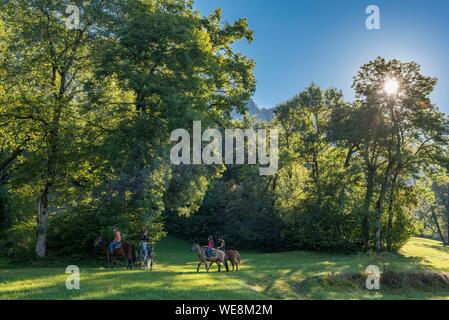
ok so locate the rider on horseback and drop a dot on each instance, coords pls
(145, 242)
(210, 247)
(116, 242)
(145, 237)
(146, 251)
(221, 245)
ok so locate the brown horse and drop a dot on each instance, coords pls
(217, 257)
(126, 250)
(234, 257)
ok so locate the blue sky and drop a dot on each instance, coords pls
(325, 41)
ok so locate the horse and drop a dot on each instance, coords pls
(125, 250)
(146, 252)
(234, 257)
(217, 257)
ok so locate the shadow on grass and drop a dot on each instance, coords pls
(442, 248)
(262, 276)
(129, 285)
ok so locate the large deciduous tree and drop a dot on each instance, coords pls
(404, 135)
(88, 110)
(45, 68)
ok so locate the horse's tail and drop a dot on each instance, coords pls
(238, 257)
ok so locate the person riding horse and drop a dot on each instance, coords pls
(116, 248)
(221, 244)
(146, 251)
(210, 247)
(116, 242)
(145, 237)
(145, 242)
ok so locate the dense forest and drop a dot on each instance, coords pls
(86, 115)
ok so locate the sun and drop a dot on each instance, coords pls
(391, 86)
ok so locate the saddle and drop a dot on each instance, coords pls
(213, 254)
(117, 246)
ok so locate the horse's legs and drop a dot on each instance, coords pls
(210, 266)
(129, 254)
(110, 261)
(232, 263)
(198, 268)
(219, 266)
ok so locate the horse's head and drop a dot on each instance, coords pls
(97, 241)
(196, 248)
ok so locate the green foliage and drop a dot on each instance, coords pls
(18, 240)
(236, 207)
(351, 176)
(86, 116)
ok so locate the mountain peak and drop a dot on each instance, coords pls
(254, 110)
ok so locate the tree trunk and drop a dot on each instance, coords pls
(397, 169)
(43, 213)
(379, 206)
(366, 206)
(41, 244)
(349, 155)
(435, 218)
(447, 239)
(316, 177)
(391, 212)
(379, 209)
(447, 218)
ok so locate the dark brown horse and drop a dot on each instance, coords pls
(126, 250)
(234, 257)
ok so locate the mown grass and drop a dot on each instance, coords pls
(289, 275)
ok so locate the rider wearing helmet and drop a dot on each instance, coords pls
(145, 237)
(145, 242)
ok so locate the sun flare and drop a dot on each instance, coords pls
(391, 86)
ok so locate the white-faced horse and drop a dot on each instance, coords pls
(146, 255)
(217, 256)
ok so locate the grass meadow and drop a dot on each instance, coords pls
(288, 275)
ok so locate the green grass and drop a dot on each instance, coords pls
(287, 275)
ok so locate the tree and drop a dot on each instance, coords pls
(177, 67)
(44, 68)
(441, 191)
(313, 182)
(123, 80)
(406, 131)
